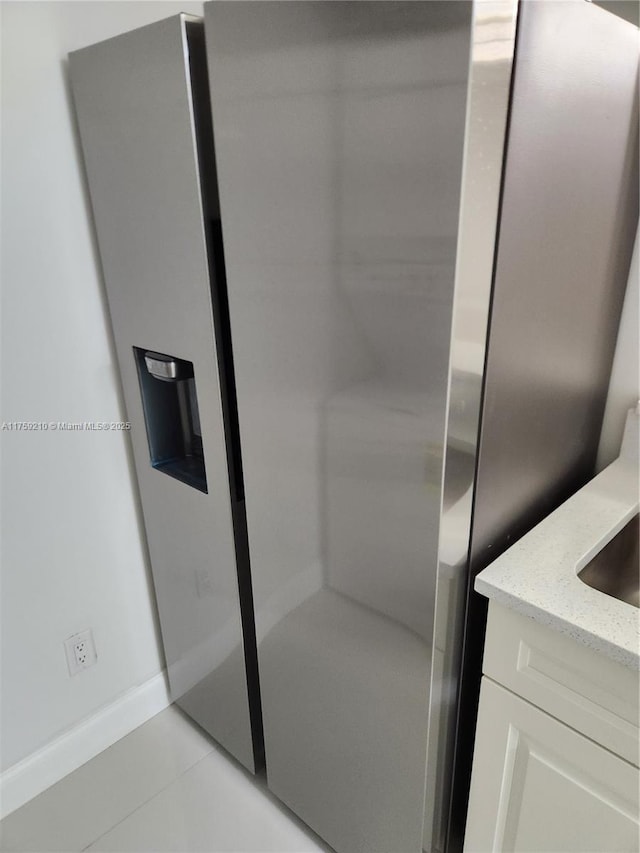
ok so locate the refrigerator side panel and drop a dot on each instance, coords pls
(135, 114)
(569, 215)
(492, 56)
(339, 133)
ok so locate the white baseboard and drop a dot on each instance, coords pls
(66, 753)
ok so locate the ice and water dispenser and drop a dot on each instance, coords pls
(170, 404)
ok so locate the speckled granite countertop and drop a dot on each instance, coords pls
(538, 576)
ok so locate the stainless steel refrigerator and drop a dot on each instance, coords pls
(377, 252)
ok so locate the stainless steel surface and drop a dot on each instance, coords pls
(568, 219)
(339, 133)
(492, 55)
(615, 570)
(629, 10)
(161, 368)
(135, 112)
(569, 216)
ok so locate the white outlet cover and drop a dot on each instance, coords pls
(80, 651)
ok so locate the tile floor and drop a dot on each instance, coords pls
(164, 787)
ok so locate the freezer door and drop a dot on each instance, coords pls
(339, 132)
(137, 114)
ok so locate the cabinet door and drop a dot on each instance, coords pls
(538, 785)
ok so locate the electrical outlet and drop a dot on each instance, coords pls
(81, 651)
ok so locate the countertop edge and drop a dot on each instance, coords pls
(580, 634)
(538, 575)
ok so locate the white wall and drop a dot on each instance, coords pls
(624, 387)
(73, 555)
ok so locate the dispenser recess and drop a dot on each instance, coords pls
(172, 418)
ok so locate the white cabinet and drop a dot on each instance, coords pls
(540, 786)
(540, 782)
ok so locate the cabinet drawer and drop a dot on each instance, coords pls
(539, 786)
(585, 689)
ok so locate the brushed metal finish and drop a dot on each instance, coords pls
(327, 169)
(133, 101)
(339, 133)
(570, 210)
(492, 56)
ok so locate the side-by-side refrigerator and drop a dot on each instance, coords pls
(365, 263)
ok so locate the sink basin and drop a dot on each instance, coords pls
(614, 570)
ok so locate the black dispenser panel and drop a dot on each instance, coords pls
(170, 403)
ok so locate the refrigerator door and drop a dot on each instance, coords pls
(339, 132)
(137, 115)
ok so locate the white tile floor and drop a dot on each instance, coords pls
(164, 787)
